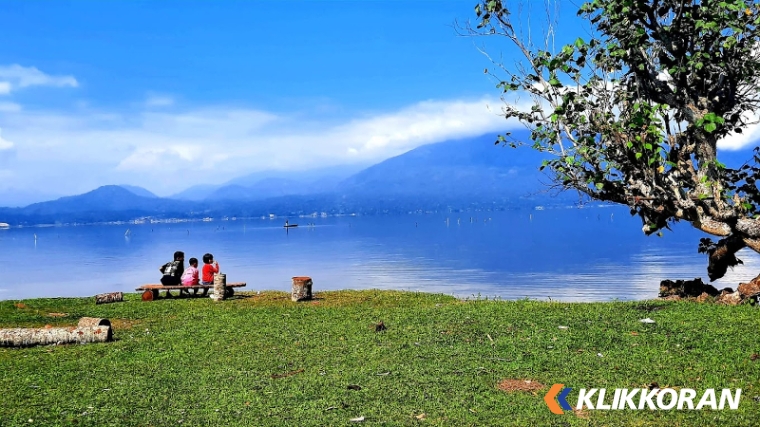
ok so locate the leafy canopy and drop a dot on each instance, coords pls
(634, 114)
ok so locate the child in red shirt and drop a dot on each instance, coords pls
(210, 267)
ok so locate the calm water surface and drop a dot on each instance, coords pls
(591, 254)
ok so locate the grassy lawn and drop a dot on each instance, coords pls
(259, 359)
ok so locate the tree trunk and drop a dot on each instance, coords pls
(89, 330)
(109, 298)
(724, 256)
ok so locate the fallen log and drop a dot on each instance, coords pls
(109, 298)
(89, 330)
(87, 322)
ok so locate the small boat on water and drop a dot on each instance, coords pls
(4, 225)
(288, 225)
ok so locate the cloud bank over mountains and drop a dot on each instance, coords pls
(166, 146)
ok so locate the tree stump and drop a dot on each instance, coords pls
(89, 330)
(149, 295)
(109, 298)
(220, 287)
(301, 288)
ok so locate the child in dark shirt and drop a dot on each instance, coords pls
(173, 270)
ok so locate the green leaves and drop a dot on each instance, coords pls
(710, 121)
(630, 114)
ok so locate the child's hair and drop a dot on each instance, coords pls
(193, 261)
(207, 258)
(178, 255)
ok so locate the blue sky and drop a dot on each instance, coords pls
(170, 94)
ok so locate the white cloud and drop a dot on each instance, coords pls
(159, 101)
(8, 107)
(393, 133)
(4, 144)
(15, 76)
(749, 135)
(422, 123)
(169, 158)
(168, 151)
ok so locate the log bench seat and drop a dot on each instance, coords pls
(150, 292)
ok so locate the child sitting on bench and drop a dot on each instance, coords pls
(210, 268)
(190, 276)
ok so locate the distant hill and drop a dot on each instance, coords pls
(331, 174)
(464, 174)
(268, 184)
(469, 168)
(138, 191)
(196, 192)
(105, 198)
(264, 189)
(107, 203)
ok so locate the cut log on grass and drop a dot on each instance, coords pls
(301, 288)
(220, 287)
(109, 298)
(90, 330)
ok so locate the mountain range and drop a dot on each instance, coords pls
(462, 174)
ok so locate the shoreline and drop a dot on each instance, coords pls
(250, 292)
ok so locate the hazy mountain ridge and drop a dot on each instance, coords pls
(461, 168)
(454, 175)
(266, 184)
(106, 203)
(140, 191)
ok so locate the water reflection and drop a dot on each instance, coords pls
(569, 255)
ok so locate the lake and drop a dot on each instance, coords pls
(589, 254)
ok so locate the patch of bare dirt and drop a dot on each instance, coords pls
(581, 413)
(123, 323)
(512, 385)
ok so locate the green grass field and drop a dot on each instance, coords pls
(260, 359)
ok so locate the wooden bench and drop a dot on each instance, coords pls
(150, 292)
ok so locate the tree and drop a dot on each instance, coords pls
(633, 115)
